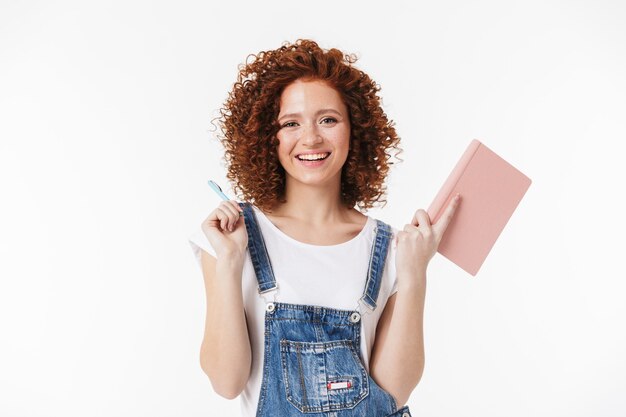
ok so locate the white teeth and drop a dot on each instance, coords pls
(313, 156)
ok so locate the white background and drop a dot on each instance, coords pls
(106, 148)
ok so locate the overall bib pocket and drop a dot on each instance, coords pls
(323, 376)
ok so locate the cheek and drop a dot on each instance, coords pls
(283, 149)
(341, 140)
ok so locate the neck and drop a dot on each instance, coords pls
(316, 204)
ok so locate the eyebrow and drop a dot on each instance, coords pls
(318, 112)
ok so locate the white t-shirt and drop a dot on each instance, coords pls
(331, 276)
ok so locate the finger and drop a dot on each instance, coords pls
(229, 207)
(232, 212)
(222, 215)
(421, 220)
(401, 235)
(238, 209)
(396, 237)
(443, 222)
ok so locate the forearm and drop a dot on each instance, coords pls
(225, 354)
(400, 365)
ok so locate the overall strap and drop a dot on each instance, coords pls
(258, 251)
(376, 267)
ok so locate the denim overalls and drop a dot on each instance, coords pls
(312, 359)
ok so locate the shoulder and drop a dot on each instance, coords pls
(392, 230)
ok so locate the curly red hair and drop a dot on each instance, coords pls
(248, 124)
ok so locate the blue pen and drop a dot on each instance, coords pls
(218, 190)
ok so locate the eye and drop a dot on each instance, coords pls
(329, 118)
(287, 124)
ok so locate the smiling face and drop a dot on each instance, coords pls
(313, 120)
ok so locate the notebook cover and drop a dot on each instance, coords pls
(491, 190)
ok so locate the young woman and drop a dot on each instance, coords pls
(313, 308)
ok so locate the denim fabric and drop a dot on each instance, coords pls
(312, 361)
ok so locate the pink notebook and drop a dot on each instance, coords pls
(490, 189)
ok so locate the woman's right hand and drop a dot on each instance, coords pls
(217, 226)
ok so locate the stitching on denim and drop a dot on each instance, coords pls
(264, 383)
(377, 258)
(302, 384)
(315, 346)
(286, 346)
(270, 270)
(252, 229)
(321, 309)
(283, 356)
(327, 323)
(369, 268)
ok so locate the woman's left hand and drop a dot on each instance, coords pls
(417, 243)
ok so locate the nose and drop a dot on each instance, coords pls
(311, 135)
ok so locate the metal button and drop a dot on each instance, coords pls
(406, 415)
(355, 317)
(270, 307)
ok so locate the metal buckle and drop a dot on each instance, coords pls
(267, 302)
(362, 311)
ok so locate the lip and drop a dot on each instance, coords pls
(313, 152)
(312, 164)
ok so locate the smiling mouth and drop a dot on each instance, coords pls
(313, 160)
